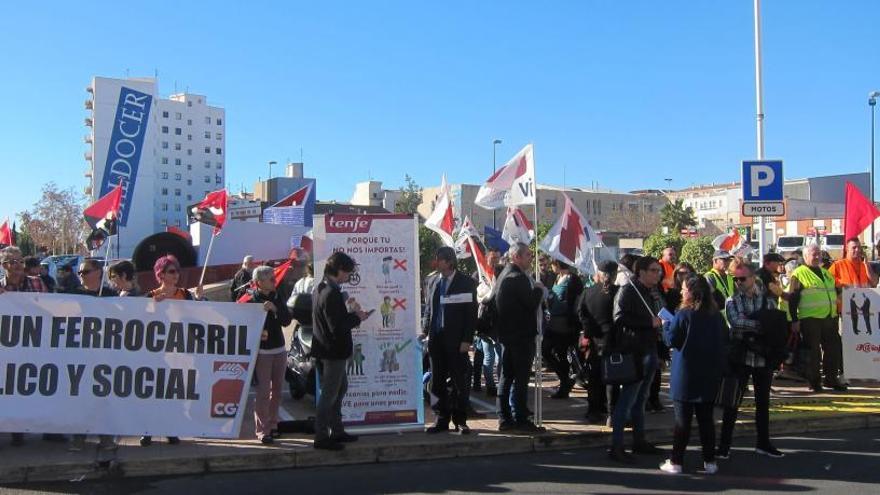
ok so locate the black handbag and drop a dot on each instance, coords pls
(619, 368)
(730, 393)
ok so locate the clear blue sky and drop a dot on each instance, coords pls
(625, 93)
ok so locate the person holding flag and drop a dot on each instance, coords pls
(272, 358)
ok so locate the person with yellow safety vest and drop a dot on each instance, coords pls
(813, 307)
(720, 281)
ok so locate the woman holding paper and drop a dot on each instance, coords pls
(696, 335)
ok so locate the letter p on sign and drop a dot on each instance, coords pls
(762, 180)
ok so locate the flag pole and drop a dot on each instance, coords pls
(539, 385)
(207, 257)
(104, 271)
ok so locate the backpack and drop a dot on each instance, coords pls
(487, 317)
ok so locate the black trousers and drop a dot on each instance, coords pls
(554, 351)
(761, 378)
(684, 413)
(823, 339)
(513, 388)
(597, 399)
(449, 364)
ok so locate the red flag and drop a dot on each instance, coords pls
(859, 213)
(6, 237)
(211, 211)
(280, 272)
(103, 214)
(298, 198)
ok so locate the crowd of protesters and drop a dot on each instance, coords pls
(715, 331)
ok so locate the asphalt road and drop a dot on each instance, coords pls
(831, 462)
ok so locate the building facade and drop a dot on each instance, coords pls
(168, 154)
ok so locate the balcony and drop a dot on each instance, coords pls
(89, 122)
(88, 173)
(88, 156)
(88, 139)
(89, 104)
(90, 89)
(87, 190)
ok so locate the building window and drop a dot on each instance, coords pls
(189, 103)
(164, 160)
(189, 197)
(164, 222)
(219, 151)
(178, 131)
(164, 145)
(219, 121)
(164, 175)
(164, 191)
(177, 146)
(164, 129)
(189, 182)
(218, 180)
(189, 151)
(177, 222)
(207, 163)
(219, 166)
(177, 161)
(207, 180)
(207, 120)
(550, 203)
(208, 150)
(177, 176)
(177, 207)
(189, 137)
(177, 116)
(164, 206)
(189, 166)
(207, 134)
(219, 136)
(177, 192)
(164, 115)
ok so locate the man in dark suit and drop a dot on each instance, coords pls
(517, 299)
(450, 319)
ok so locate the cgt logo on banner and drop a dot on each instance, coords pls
(126, 144)
(861, 333)
(125, 366)
(226, 391)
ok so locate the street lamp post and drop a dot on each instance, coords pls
(495, 144)
(872, 102)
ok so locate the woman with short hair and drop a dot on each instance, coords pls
(272, 359)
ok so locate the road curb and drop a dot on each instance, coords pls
(486, 444)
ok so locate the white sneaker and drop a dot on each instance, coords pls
(670, 468)
(710, 467)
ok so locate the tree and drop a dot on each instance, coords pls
(56, 220)
(676, 217)
(429, 241)
(656, 243)
(541, 233)
(698, 252)
(410, 197)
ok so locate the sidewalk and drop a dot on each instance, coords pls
(793, 410)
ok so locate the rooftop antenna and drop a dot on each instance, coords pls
(300, 154)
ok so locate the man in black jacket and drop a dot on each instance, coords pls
(331, 347)
(596, 313)
(517, 300)
(242, 278)
(450, 319)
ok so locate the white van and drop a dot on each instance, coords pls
(787, 245)
(834, 244)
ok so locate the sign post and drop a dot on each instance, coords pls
(762, 192)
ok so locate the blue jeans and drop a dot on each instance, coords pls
(516, 362)
(491, 350)
(631, 403)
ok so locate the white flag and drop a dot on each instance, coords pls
(511, 185)
(442, 220)
(572, 239)
(517, 227)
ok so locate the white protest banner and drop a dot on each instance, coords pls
(861, 333)
(125, 365)
(385, 370)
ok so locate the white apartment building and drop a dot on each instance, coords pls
(180, 142)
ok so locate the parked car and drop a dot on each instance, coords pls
(834, 244)
(788, 245)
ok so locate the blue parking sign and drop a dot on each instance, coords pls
(762, 180)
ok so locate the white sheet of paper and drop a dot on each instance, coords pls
(457, 298)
